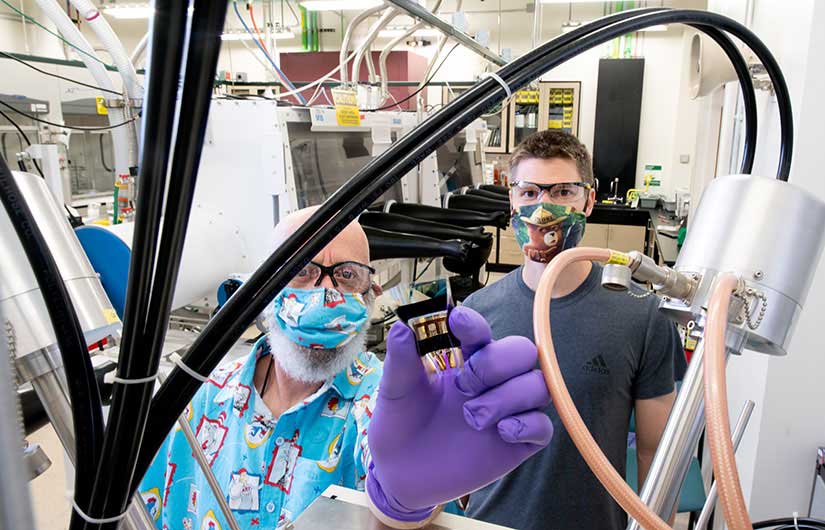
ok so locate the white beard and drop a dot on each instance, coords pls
(312, 365)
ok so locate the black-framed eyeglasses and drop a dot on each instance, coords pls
(346, 276)
(560, 192)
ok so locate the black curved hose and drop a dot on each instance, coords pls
(384, 171)
(130, 402)
(87, 419)
(789, 521)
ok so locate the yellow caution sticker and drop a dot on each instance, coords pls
(346, 107)
(618, 258)
(527, 96)
(111, 316)
(100, 103)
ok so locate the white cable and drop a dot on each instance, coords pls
(92, 520)
(795, 521)
(500, 82)
(178, 361)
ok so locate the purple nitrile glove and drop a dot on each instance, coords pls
(435, 439)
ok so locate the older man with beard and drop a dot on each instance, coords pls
(303, 410)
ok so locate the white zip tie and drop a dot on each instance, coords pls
(500, 82)
(92, 520)
(138, 381)
(178, 361)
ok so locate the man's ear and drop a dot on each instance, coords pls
(590, 202)
(377, 290)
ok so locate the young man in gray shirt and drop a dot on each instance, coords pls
(617, 353)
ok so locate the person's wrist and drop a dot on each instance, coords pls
(390, 511)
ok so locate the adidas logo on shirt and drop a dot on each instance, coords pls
(596, 365)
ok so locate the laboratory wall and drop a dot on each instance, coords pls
(777, 455)
(668, 121)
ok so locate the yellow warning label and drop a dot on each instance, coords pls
(618, 258)
(111, 316)
(346, 107)
(100, 103)
(527, 96)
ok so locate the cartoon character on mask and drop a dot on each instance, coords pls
(543, 230)
(320, 318)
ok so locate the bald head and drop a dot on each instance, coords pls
(349, 245)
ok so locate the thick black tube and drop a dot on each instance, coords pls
(488, 194)
(393, 222)
(770, 523)
(130, 402)
(391, 245)
(367, 185)
(465, 218)
(481, 204)
(87, 418)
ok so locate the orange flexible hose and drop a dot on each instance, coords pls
(587, 446)
(716, 395)
(255, 26)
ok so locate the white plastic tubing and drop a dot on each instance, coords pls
(120, 136)
(371, 35)
(124, 64)
(109, 40)
(382, 59)
(342, 57)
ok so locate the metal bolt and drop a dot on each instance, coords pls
(758, 275)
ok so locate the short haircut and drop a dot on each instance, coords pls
(554, 144)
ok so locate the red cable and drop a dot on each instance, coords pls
(255, 26)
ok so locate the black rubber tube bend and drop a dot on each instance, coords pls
(87, 419)
(380, 174)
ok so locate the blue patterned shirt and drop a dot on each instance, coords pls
(270, 469)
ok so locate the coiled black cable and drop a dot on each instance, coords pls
(342, 207)
(87, 418)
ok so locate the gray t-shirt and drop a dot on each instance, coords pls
(613, 349)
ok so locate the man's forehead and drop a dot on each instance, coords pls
(546, 171)
(349, 245)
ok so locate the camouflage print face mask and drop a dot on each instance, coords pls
(545, 229)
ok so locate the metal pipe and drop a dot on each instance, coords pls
(15, 504)
(414, 10)
(678, 443)
(200, 458)
(738, 431)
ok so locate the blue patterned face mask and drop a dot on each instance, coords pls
(321, 317)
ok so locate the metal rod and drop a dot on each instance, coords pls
(417, 11)
(207, 471)
(738, 431)
(678, 443)
(200, 458)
